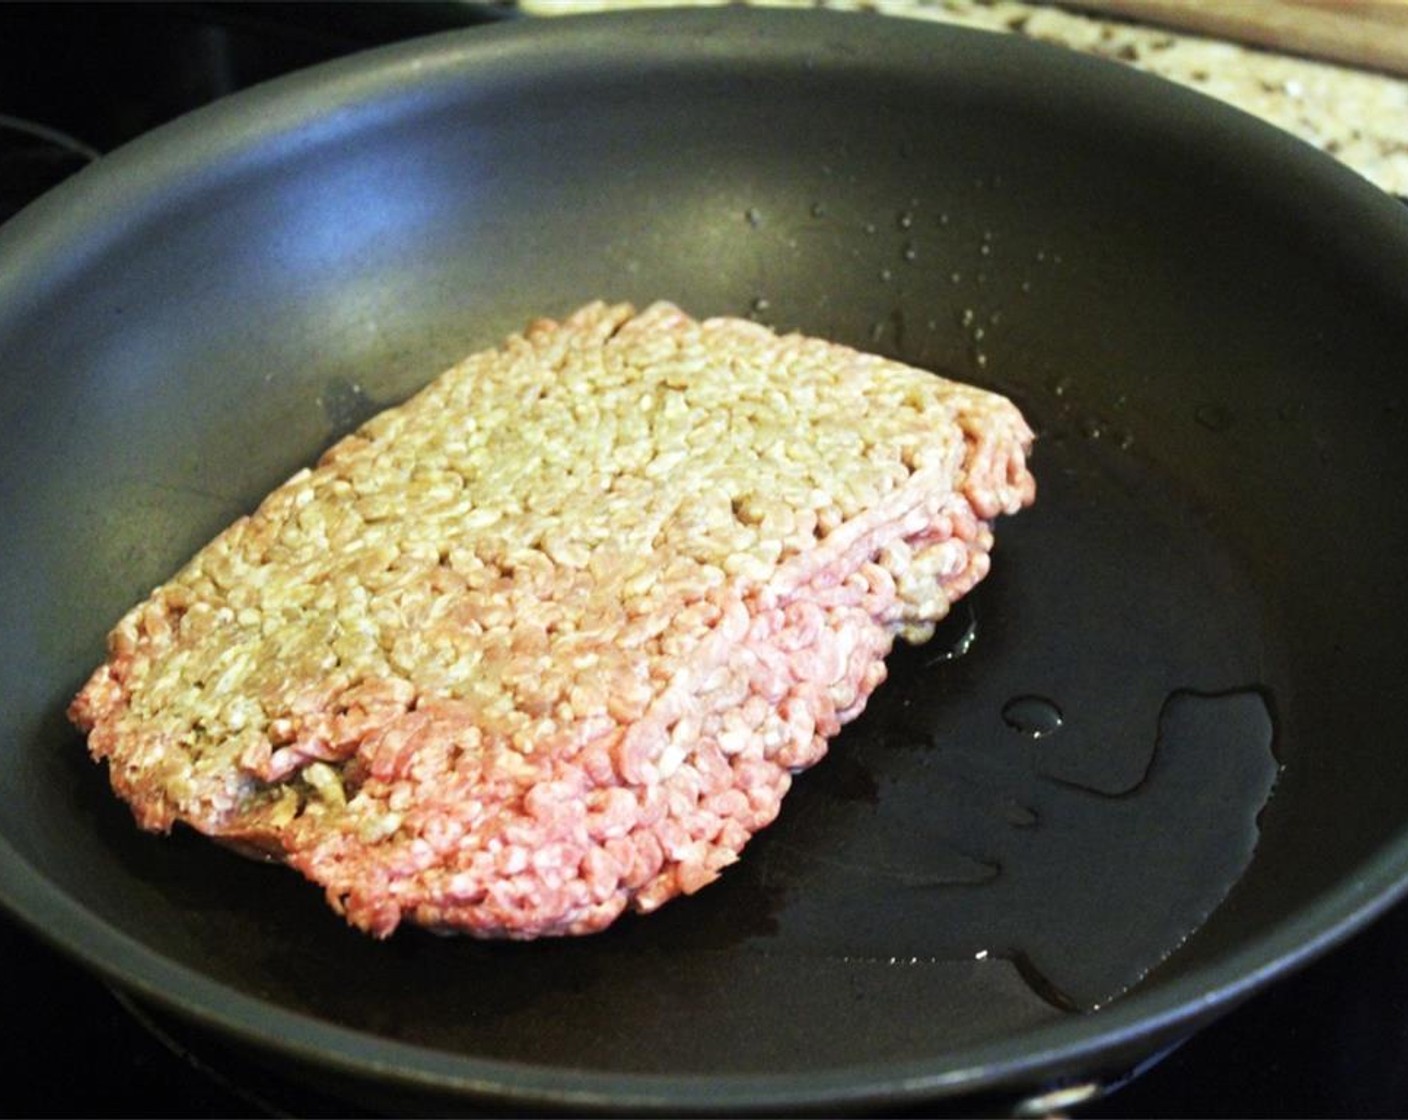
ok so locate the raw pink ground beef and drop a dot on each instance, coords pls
(551, 639)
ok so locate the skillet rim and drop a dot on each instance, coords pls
(306, 108)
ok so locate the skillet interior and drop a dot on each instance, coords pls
(1206, 322)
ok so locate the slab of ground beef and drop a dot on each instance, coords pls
(550, 639)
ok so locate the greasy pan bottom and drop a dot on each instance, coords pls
(1167, 702)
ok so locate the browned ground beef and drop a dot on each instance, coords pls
(550, 639)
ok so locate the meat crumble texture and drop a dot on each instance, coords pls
(550, 639)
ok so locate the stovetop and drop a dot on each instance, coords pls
(76, 81)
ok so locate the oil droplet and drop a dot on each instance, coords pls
(905, 219)
(753, 216)
(818, 209)
(1026, 285)
(1017, 814)
(966, 317)
(1092, 427)
(886, 275)
(1060, 386)
(943, 218)
(985, 249)
(1213, 417)
(869, 227)
(955, 277)
(910, 253)
(760, 305)
(1032, 715)
(346, 404)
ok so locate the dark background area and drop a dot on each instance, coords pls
(76, 81)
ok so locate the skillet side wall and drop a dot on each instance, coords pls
(184, 350)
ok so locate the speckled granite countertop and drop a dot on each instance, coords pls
(1359, 116)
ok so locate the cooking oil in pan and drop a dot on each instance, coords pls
(1068, 778)
(954, 636)
(346, 404)
(1032, 715)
